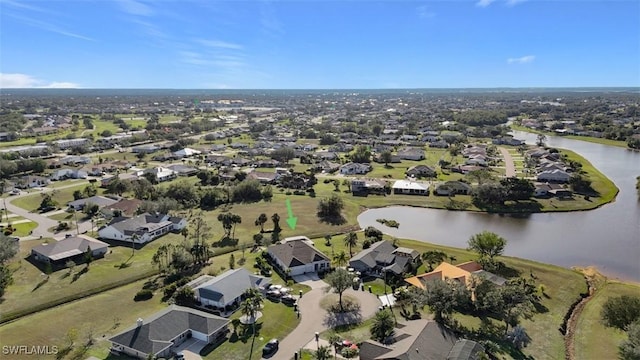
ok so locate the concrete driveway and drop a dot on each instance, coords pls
(314, 319)
(191, 349)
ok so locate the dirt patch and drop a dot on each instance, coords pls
(594, 279)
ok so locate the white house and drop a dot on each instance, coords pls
(226, 288)
(411, 154)
(32, 181)
(354, 168)
(410, 188)
(161, 173)
(556, 175)
(142, 228)
(186, 152)
(297, 257)
(63, 174)
(70, 143)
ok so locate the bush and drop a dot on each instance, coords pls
(621, 311)
(366, 244)
(349, 352)
(169, 291)
(143, 295)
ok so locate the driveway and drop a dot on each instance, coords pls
(44, 223)
(314, 319)
(191, 349)
(508, 162)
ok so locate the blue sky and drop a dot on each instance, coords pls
(307, 44)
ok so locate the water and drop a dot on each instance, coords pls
(608, 237)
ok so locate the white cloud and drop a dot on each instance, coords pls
(521, 60)
(424, 13)
(484, 3)
(137, 8)
(21, 81)
(219, 44)
(49, 27)
(514, 2)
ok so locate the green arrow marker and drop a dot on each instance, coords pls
(291, 220)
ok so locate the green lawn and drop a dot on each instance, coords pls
(593, 340)
(23, 229)
(62, 197)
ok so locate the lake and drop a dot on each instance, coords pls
(607, 237)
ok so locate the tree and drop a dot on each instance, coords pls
(232, 262)
(257, 239)
(443, 296)
(629, 349)
(323, 353)
(621, 311)
(90, 209)
(351, 240)
(229, 220)
(185, 296)
(283, 154)
(200, 231)
(361, 154)
(541, 139)
(488, 245)
(6, 278)
(276, 223)
(88, 256)
(70, 265)
(8, 248)
(480, 176)
(339, 281)
(489, 194)
(47, 202)
(433, 257)
(383, 325)
(386, 157)
(77, 195)
(330, 208)
(261, 220)
(341, 258)
(334, 339)
(517, 189)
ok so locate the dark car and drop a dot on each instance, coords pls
(270, 348)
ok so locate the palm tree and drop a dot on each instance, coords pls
(323, 353)
(261, 220)
(276, 222)
(351, 240)
(341, 258)
(333, 340)
(382, 326)
(134, 238)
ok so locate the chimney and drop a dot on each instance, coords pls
(139, 322)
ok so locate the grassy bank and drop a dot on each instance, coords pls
(591, 139)
(593, 339)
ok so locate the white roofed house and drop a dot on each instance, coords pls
(556, 175)
(101, 201)
(355, 168)
(227, 288)
(410, 188)
(186, 152)
(160, 173)
(63, 174)
(142, 228)
(411, 154)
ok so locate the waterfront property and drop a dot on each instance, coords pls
(461, 272)
(383, 256)
(410, 188)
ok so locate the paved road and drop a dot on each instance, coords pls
(508, 162)
(44, 223)
(313, 318)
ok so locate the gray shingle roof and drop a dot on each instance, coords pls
(296, 252)
(146, 220)
(230, 285)
(68, 247)
(381, 253)
(155, 333)
(101, 201)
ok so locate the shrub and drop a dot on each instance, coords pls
(169, 291)
(366, 244)
(143, 295)
(349, 352)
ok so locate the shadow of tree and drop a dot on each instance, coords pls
(77, 275)
(41, 283)
(333, 220)
(225, 241)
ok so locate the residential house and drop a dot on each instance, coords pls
(126, 207)
(32, 181)
(75, 160)
(367, 186)
(183, 170)
(326, 166)
(70, 143)
(410, 187)
(411, 154)
(142, 228)
(71, 248)
(354, 168)
(101, 201)
(393, 160)
(227, 288)
(453, 188)
(461, 272)
(326, 155)
(145, 149)
(186, 152)
(105, 181)
(160, 173)
(420, 171)
(439, 144)
(63, 174)
(298, 256)
(263, 177)
(556, 175)
(421, 340)
(160, 335)
(383, 256)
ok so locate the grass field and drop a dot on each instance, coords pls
(593, 339)
(61, 196)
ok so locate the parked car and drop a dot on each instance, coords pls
(288, 299)
(270, 348)
(179, 356)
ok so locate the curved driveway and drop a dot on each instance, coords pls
(313, 317)
(44, 223)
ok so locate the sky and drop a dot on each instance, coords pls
(319, 44)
